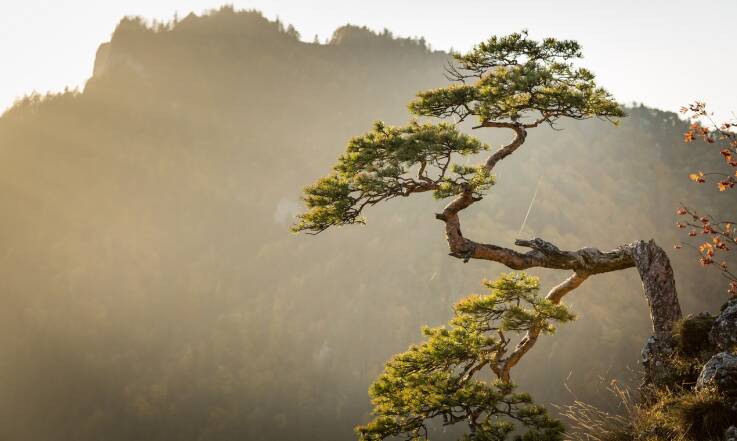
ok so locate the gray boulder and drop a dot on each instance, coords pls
(724, 331)
(731, 434)
(720, 371)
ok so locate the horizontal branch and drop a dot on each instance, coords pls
(543, 254)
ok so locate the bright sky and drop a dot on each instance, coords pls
(664, 53)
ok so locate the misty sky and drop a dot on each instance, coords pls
(665, 53)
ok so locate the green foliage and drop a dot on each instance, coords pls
(436, 378)
(502, 308)
(388, 162)
(513, 78)
(506, 79)
(476, 178)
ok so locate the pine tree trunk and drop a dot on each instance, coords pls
(660, 291)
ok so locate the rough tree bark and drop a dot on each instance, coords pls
(650, 260)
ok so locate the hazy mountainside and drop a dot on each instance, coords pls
(151, 289)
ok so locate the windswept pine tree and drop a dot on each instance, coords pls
(510, 83)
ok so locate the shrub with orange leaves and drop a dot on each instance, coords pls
(721, 234)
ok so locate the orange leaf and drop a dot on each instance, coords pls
(696, 177)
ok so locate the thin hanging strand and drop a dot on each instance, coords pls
(529, 209)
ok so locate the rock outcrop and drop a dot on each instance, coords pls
(731, 434)
(720, 372)
(724, 331)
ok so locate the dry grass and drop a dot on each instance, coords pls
(589, 423)
(682, 415)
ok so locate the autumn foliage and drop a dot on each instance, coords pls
(716, 236)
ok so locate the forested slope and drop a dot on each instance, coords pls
(151, 289)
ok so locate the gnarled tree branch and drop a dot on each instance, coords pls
(650, 260)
